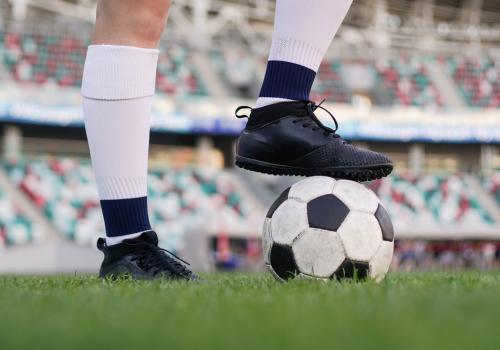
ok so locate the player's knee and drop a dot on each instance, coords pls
(149, 28)
(150, 20)
(140, 21)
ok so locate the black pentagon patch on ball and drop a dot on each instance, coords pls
(385, 223)
(282, 197)
(352, 270)
(283, 261)
(326, 212)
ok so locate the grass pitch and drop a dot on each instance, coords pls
(406, 311)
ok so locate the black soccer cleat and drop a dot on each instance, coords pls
(288, 139)
(141, 258)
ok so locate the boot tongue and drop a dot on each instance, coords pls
(150, 237)
(267, 114)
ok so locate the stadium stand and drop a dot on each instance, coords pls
(177, 74)
(428, 201)
(42, 58)
(329, 84)
(15, 228)
(237, 70)
(492, 184)
(407, 81)
(400, 81)
(63, 191)
(478, 79)
(445, 199)
(179, 199)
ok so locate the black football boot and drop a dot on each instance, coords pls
(288, 139)
(141, 258)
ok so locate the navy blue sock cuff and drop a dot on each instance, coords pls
(287, 80)
(125, 216)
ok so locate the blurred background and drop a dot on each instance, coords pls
(418, 80)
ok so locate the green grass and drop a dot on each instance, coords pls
(406, 311)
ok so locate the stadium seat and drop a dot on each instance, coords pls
(15, 227)
(329, 84)
(177, 74)
(237, 70)
(491, 183)
(444, 199)
(478, 79)
(400, 81)
(407, 81)
(49, 59)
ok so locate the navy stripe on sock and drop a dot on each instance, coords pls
(287, 80)
(125, 216)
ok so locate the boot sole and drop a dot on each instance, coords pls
(366, 173)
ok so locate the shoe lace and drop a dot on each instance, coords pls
(313, 121)
(154, 257)
(239, 116)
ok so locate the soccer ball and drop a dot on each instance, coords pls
(324, 228)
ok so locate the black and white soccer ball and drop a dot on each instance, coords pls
(325, 228)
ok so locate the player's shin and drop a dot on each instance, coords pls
(118, 85)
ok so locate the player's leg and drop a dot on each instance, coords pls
(303, 31)
(283, 136)
(118, 87)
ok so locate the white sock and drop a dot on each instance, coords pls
(118, 239)
(118, 86)
(303, 31)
